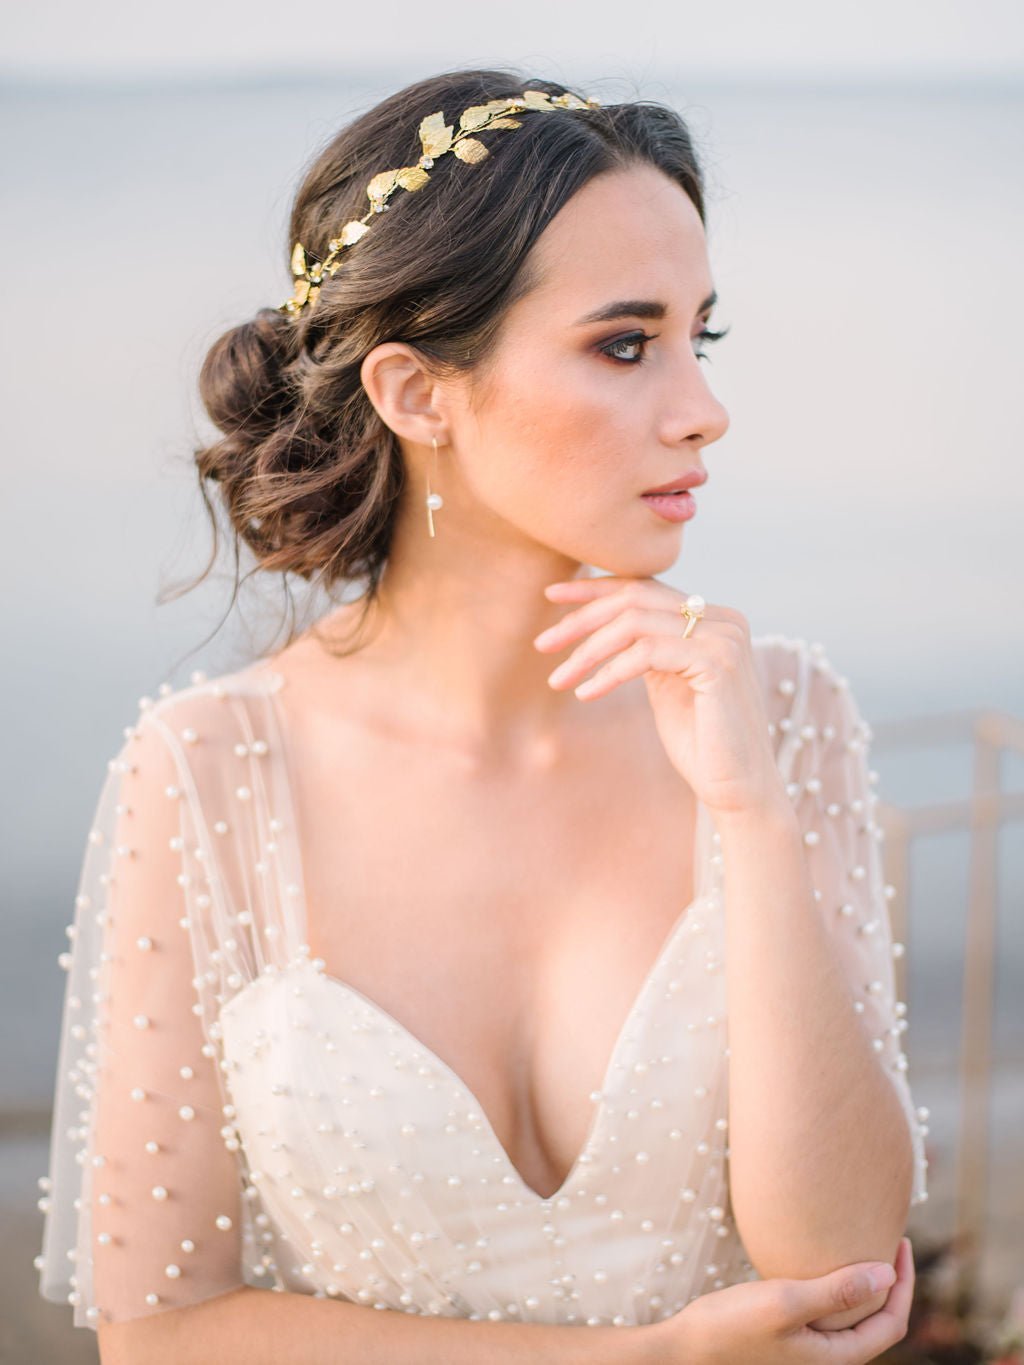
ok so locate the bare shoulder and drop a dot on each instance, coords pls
(330, 652)
(340, 682)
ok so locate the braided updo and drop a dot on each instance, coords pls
(307, 472)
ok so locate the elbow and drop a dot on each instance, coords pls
(822, 1233)
(137, 1341)
(170, 1337)
(893, 1207)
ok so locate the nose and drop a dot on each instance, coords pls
(716, 423)
(696, 415)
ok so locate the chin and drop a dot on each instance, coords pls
(637, 562)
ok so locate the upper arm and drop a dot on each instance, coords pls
(145, 1210)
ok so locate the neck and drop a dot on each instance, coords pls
(456, 625)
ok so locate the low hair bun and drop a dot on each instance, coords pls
(245, 382)
(300, 480)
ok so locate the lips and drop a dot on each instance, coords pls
(691, 479)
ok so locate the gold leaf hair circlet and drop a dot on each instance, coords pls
(437, 138)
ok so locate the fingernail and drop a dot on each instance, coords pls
(881, 1276)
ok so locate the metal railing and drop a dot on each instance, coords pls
(990, 733)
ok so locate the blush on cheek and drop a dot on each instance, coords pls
(560, 424)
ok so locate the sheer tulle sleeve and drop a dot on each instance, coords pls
(822, 750)
(143, 1207)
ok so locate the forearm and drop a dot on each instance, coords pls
(820, 1157)
(263, 1327)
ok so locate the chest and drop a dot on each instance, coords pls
(506, 918)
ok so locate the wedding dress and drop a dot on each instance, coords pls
(227, 1112)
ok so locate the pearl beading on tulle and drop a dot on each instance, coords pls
(508, 1196)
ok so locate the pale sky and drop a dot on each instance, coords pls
(584, 39)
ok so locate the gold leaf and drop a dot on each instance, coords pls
(469, 149)
(382, 184)
(476, 116)
(298, 259)
(567, 100)
(435, 134)
(301, 292)
(352, 231)
(505, 123)
(536, 99)
(412, 177)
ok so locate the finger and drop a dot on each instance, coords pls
(894, 1314)
(594, 589)
(882, 1329)
(623, 629)
(575, 624)
(659, 652)
(805, 1300)
(584, 590)
(656, 651)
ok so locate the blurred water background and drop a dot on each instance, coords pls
(865, 242)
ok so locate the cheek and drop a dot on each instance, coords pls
(564, 420)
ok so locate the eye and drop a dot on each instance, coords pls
(634, 339)
(707, 335)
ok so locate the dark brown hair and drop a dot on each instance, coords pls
(308, 473)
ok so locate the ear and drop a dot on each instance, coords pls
(403, 391)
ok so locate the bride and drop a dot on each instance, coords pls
(509, 951)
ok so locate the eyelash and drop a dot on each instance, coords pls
(643, 337)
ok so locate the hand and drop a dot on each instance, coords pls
(704, 691)
(767, 1322)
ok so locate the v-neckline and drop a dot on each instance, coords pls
(275, 681)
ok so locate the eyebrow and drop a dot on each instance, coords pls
(637, 308)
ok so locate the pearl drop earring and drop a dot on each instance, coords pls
(434, 500)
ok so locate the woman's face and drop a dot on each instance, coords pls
(574, 419)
